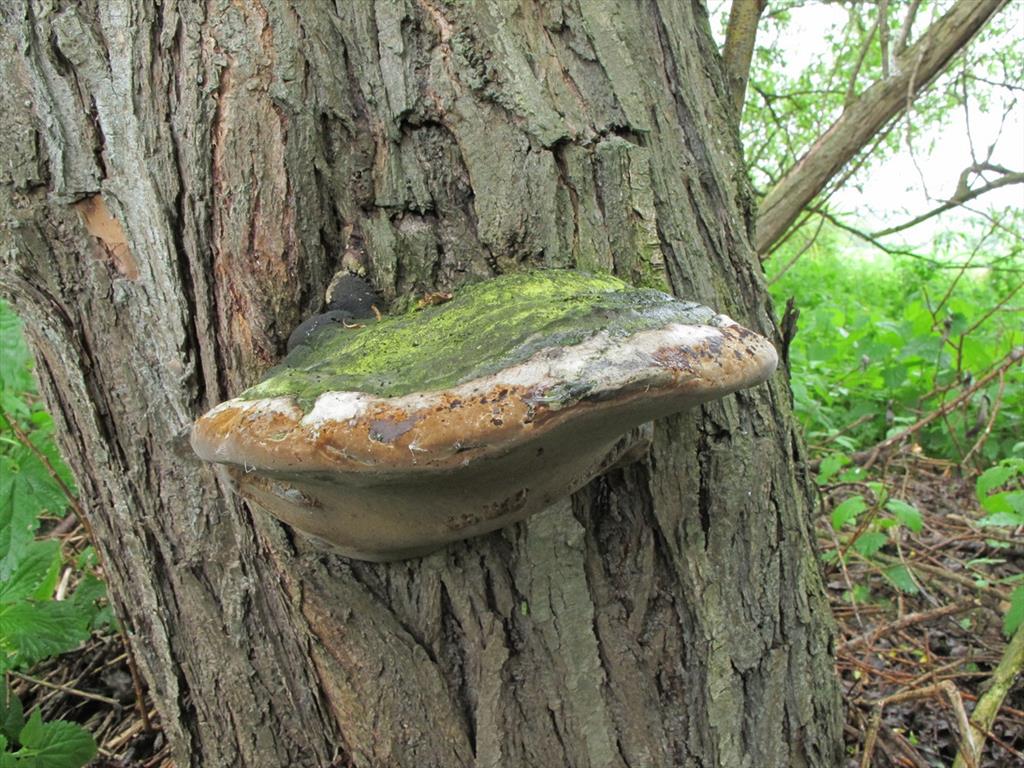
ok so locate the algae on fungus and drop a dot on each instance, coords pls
(486, 327)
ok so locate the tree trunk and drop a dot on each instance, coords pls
(179, 184)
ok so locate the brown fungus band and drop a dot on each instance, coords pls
(391, 439)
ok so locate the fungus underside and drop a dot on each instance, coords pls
(486, 327)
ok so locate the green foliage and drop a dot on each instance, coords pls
(1015, 615)
(1000, 493)
(41, 745)
(33, 623)
(885, 341)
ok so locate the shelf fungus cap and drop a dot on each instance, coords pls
(394, 438)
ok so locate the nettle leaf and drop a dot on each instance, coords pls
(15, 360)
(996, 502)
(1013, 618)
(847, 511)
(994, 477)
(900, 577)
(42, 439)
(870, 542)
(26, 490)
(34, 574)
(32, 631)
(12, 717)
(87, 596)
(830, 465)
(7, 760)
(907, 514)
(1005, 518)
(57, 744)
(13, 403)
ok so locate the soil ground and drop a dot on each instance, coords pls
(913, 660)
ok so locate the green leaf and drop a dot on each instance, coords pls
(31, 631)
(994, 477)
(996, 502)
(847, 511)
(15, 360)
(1008, 519)
(34, 574)
(86, 597)
(12, 718)
(907, 514)
(830, 465)
(900, 577)
(57, 744)
(26, 490)
(7, 760)
(1015, 615)
(870, 542)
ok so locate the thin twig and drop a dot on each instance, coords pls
(906, 621)
(803, 249)
(991, 422)
(868, 457)
(66, 689)
(905, 29)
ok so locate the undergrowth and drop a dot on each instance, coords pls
(50, 600)
(884, 341)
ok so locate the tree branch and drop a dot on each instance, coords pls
(913, 69)
(961, 196)
(988, 705)
(739, 47)
(905, 30)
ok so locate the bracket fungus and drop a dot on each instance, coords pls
(391, 439)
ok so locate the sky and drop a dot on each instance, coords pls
(900, 188)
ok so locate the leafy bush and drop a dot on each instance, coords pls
(34, 624)
(886, 340)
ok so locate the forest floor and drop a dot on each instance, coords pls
(914, 654)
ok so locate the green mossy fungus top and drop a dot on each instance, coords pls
(485, 328)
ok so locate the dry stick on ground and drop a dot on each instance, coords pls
(941, 573)
(906, 621)
(67, 689)
(945, 687)
(87, 527)
(988, 705)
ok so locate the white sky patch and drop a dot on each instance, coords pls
(909, 184)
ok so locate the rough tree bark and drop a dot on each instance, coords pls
(181, 179)
(738, 51)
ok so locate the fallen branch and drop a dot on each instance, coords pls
(946, 688)
(988, 705)
(909, 620)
